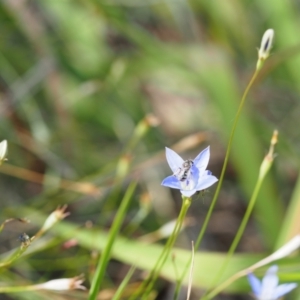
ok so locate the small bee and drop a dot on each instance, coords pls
(24, 238)
(183, 172)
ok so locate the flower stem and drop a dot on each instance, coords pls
(214, 200)
(265, 167)
(14, 256)
(123, 284)
(185, 206)
(147, 285)
(17, 289)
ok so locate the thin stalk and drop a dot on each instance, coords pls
(214, 200)
(191, 273)
(124, 163)
(237, 237)
(123, 285)
(17, 289)
(264, 169)
(142, 287)
(149, 282)
(102, 264)
(16, 254)
(185, 206)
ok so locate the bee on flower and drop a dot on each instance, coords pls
(189, 176)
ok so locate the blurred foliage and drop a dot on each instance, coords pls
(76, 79)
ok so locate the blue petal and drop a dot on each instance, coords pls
(283, 289)
(255, 284)
(202, 159)
(269, 283)
(174, 160)
(205, 182)
(194, 173)
(172, 182)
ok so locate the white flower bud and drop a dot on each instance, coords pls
(63, 284)
(3, 150)
(265, 47)
(54, 217)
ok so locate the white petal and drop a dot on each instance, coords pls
(284, 289)
(205, 182)
(174, 160)
(202, 159)
(269, 283)
(266, 44)
(187, 193)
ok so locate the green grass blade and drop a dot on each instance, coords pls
(101, 267)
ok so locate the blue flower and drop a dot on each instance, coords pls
(189, 176)
(268, 288)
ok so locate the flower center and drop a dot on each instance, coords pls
(188, 184)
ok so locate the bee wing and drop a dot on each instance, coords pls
(174, 160)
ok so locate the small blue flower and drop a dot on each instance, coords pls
(268, 288)
(189, 176)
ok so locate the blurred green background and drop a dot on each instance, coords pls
(76, 79)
